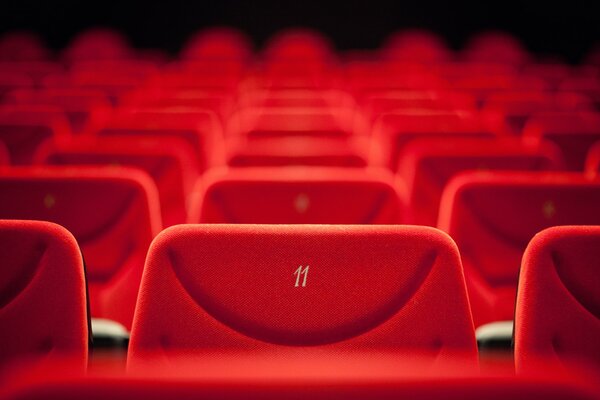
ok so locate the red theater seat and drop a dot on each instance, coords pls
(426, 165)
(493, 215)
(200, 129)
(43, 309)
(86, 109)
(23, 129)
(592, 163)
(378, 102)
(219, 101)
(316, 375)
(518, 106)
(219, 43)
(22, 46)
(98, 44)
(113, 214)
(11, 80)
(4, 156)
(291, 98)
(298, 45)
(415, 46)
(573, 132)
(300, 195)
(293, 121)
(168, 161)
(395, 130)
(496, 47)
(347, 288)
(558, 303)
(583, 81)
(113, 78)
(287, 151)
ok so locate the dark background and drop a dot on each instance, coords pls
(565, 28)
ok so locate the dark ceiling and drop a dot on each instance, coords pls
(565, 28)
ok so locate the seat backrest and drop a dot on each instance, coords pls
(492, 216)
(393, 131)
(4, 156)
(113, 214)
(427, 165)
(168, 161)
(43, 309)
(199, 128)
(573, 132)
(297, 195)
(287, 151)
(592, 161)
(318, 375)
(558, 302)
(23, 129)
(269, 287)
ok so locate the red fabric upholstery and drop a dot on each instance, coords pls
(219, 43)
(11, 80)
(378, 102)
(219, 101)
(86, 109)
(558, 303)
(297, 196)
(298, 44)
(43, 310)
(518, 106)
(23, 129)
(22, 46)
(98, 44)
(394, 130)
(316, 375)
(496, 47)
(592, 162)
(4, 156)
(199, 128)
(286, 151)
(168, 161)
(492, 216)
(416, 46)
(266, 122)
(573, 132)
(426, 165)
(114, 214)
(207, 286)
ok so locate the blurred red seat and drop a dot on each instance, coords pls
(592, 163)
(518, 106)
(167, 160)
(294, 121)
(199, 129)
(218, 43)
(98, 44)
(558, 302)
(415, 45)
(289, 151)
(25, 128)
(395, 130)
(573, 132)
(427, 165)
(496, 47)
(86, 109)
(113, 214)
(493, 215)
(22, 46)
(43, 309)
